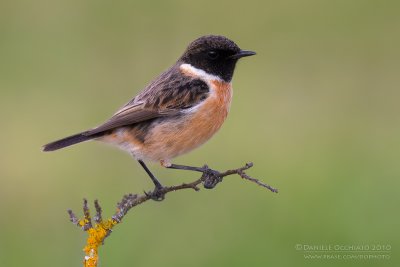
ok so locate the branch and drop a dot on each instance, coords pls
(101, 229)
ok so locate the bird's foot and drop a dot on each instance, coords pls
(158, 194)
(210, 177)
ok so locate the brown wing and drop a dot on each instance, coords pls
(129, 115)
(167, 96)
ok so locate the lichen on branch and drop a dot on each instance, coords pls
(99, 230)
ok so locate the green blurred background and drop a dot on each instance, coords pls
(317, 111)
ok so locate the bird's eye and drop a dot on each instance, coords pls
(212, 54)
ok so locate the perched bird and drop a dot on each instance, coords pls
(177, 112)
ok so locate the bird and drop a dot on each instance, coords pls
(177, 112)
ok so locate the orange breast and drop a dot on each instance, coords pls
(173, 138)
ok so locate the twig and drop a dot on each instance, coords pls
(102, 229)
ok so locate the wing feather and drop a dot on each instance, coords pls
(168, 95)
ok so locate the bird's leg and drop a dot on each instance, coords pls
(210, 177)
(157, 193)
(187, 168)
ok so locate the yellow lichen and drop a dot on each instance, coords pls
(96, 235)
(83, 222)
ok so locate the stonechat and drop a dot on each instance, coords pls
(177, 112)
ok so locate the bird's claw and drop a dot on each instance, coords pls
(157, 194)
(210, 177)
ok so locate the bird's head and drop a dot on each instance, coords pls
(214, 54)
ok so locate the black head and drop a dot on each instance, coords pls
(216, 55)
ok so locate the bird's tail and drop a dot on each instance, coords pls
(68, 141)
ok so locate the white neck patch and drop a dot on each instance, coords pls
(198, 73)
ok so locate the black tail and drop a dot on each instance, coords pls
(68, 141)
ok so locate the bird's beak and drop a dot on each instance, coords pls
(242, 53)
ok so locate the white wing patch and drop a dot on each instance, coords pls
(189, 70)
